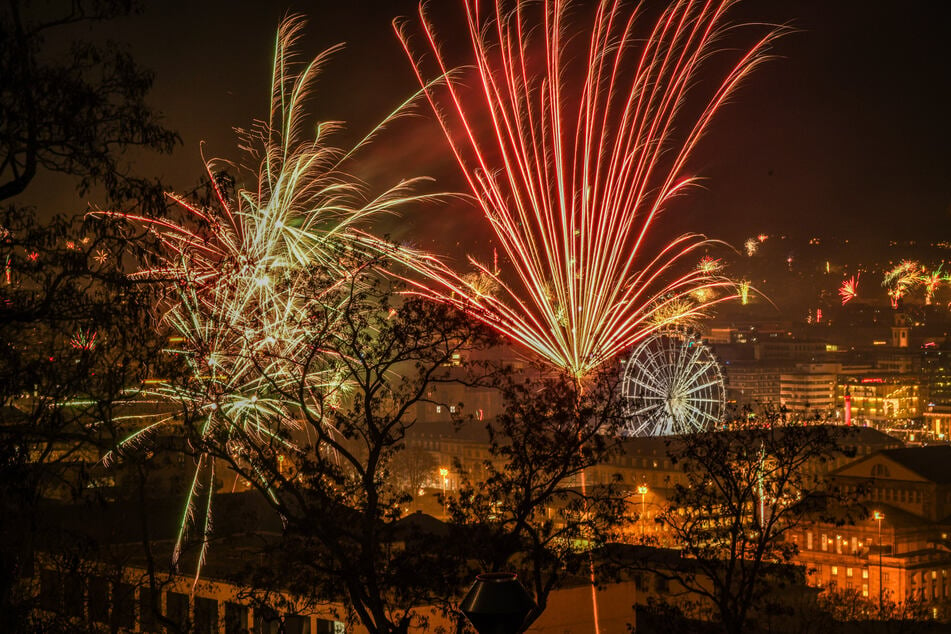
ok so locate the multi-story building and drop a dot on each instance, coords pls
(878, 397)
(133, 598)
(752, 385)
(789, 350)
(937, 422)
(936, 373)
(901, 552)
(642, 464)
(809, 390)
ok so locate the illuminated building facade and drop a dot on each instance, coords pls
(877, 398)
(901, 552)
(751, 385)
(642, 463)
(937, 421)
(808, 391)
(936, 373)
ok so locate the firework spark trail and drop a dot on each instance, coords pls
(751, 246)
(242, 295)
(900, 279)
(849, 289)
(710, 264)
(571, 176)
(931, 281)
(744, 291)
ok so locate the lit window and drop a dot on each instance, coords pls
(835, 570)
(865, 573)
(848, 572)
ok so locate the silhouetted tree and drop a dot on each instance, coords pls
(848, 607)
(536, 507)
(742, 493)
(73, 109)
(347, 535)
(77, 339)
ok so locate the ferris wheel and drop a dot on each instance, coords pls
(673, 385)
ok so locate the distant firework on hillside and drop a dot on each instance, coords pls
(900, 279)
(931, 281)
(751, 246)
(849, 289)
(572, 144)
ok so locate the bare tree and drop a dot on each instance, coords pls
(412, 468)
(742, 493)
(333, 484)
(77, 338)
(77, 111)
(532, 508)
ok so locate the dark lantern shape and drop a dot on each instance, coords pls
(497, 603)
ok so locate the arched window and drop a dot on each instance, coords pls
(880, 471)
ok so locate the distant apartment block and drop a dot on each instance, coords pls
(808, 391)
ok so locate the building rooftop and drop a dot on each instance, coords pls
(932, 462)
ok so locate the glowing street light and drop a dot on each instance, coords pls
(878, 516)
(444, 474)
(642, 491)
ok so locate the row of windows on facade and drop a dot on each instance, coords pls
(896, 495)
(936, 590)
(936, 577)
(889, 494)
(98, 600)
(626, 461)
(846, 545)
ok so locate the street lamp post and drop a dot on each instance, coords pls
(444, 474)
(642, 490)
(879, 516)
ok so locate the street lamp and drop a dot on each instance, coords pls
(878, 516)
(497, 603)
(444, 474)
(642, 490)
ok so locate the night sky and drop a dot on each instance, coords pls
(846, 133)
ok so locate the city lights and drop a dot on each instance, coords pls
(592, 251)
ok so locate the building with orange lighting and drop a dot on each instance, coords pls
(901, 552)
(879, 398)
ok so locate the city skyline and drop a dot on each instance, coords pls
(308, 389)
